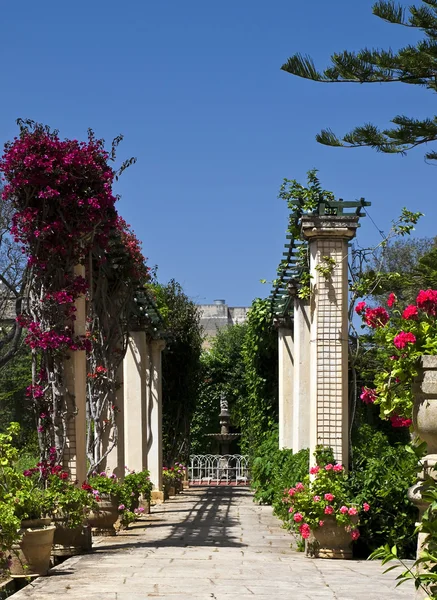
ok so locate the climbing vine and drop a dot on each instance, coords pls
(258, 410)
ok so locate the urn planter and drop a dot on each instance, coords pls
(330, 541)
(103, 519)
(31, 555)
(71, 541)
(425, 427)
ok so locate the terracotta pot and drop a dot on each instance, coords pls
(31, 556)
(70, 541)
(103, 519)
(330, 541)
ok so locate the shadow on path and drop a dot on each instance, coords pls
(206, 522)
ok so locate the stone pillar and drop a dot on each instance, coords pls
(302, 371)
(328, 243)
(286, 375)
(75, 459)
(134, 402)
(154, 416)
(115, 461)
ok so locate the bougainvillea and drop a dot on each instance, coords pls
(401, 338)
(62, 196)
(118, 269)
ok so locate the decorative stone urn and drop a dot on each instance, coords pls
(69, 541)
(102, 520)
(425, 427)
(330, 541)
(31, 556)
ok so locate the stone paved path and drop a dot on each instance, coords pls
(210, 543)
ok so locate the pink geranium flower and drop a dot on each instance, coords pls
(314, 470)
(329, 497)
(410, 313)
(391, 300)
(368, 396)
(329, 510)
(376, 317)
(298, 517)
(359, 309)
(355, 534)
(343, 510)
(338, 468)
(403, 338)
(366, 507)
(353, 511)
(305, 530)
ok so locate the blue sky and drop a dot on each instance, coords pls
(197, 91)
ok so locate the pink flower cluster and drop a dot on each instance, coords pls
(71, 179)
(398, 421)
(403, 338)
(368, 396)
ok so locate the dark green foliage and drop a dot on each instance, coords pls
(222, 373)
(15, 376)
(181, 368)
(273, 470)
(381, 476)
(258, 412)
(413, 64)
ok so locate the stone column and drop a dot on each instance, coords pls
(75, 459)
(154, 416)
(302, 371)
(328, 242)
(286, 375)
(134, 402)
(115, 461)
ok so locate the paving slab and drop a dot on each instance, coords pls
(210, 543)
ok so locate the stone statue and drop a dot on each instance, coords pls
(223, 404)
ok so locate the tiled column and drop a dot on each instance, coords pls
(74, 459)
(154, 416)
(286, 368)
(302, 370)
(115, 461)
(329, 423)
(134, 402)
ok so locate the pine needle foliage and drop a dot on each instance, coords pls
(413, 65)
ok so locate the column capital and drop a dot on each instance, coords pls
(329, 226)
(157, 344)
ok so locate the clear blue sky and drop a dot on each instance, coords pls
(196, 89)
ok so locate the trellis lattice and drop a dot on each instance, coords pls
(294, 262)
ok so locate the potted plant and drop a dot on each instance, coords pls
(105, 490)
(169, 478)
(24, 505)
(323, 513)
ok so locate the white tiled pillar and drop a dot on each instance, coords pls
(329, 419)
(286, 368)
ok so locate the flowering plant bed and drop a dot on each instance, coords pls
(402, 336)
(321, 499)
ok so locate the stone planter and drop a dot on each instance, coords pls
(425, 427)
(330, 541)
(103, 519)
(31, 556)
(71, 541)
(172, 490)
